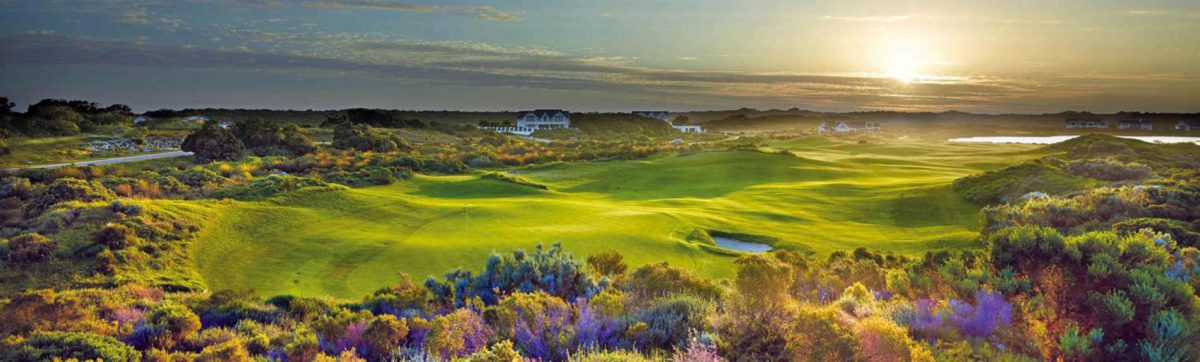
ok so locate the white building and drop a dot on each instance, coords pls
(666, 117)
(848, 127)
(1135, 123)
(1187, 126)
(1086, 123)
(532, 121)
(544, 119)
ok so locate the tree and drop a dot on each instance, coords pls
(6, 106)
(269, 139)
(213, 143)
(364, 138)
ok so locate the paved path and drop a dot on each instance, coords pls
(109, 161)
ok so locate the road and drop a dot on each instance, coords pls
(109, 161)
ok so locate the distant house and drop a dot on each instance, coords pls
(532, 121)
(823, 128)
(659, 115)
(1187, 126)
(1086, 123)
(544, 119)
(225, 124)
(666, 117)
(197, 119)
(140, 119)
(851, 127)
(1135, 124)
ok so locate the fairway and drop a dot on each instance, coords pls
(811, 193)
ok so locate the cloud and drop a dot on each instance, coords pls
(139, 16)
(482, 65)
(869, 19)
(1148, 12)
(483, 12)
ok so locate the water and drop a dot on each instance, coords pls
(735, 244)
(1045, 140)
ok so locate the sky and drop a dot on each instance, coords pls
(982, 56)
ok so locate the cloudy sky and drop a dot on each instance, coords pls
(836, 55)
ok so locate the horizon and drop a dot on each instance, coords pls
(929, 56)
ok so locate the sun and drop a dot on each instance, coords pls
(903, 66)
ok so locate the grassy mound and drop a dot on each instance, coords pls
(1157, 156)
(1009, 184)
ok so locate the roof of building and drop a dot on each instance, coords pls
(1136, 120)
(544, 112)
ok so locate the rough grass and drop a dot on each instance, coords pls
(39, 151)
(825, 195)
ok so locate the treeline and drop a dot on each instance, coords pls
(58, 117)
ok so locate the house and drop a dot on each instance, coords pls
(659, 115)
(823, 128)
(532, 121)
(1086, 123)
(225, 124)
(140, 119)
(853, 127)
(197, 119)
(1187, 126)
(1135, 123)
(544, 119)
(666, 117)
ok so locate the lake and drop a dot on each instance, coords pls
(1045, 140)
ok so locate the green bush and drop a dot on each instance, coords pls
(213, 143)
(67, 189)
(46, 346)
(30, 248)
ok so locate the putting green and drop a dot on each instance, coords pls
(823, 194)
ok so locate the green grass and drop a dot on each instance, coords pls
(826, 195)
(54, 150)
(39, 151)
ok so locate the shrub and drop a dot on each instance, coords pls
(169, 323)
(817, 335)
(1109, 170)
(550, 270)
(670, 322)
(881, 340)
(231, 350)
(30, 248)
(652, 281)
(115, 236)
(457, 334)
(46, 346)
(979, 320)
(364, 138)
(608, 263)
(381, 336)
(67, 189)
(500, 352)
(213, 143)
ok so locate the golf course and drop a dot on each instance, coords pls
(816, 194)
